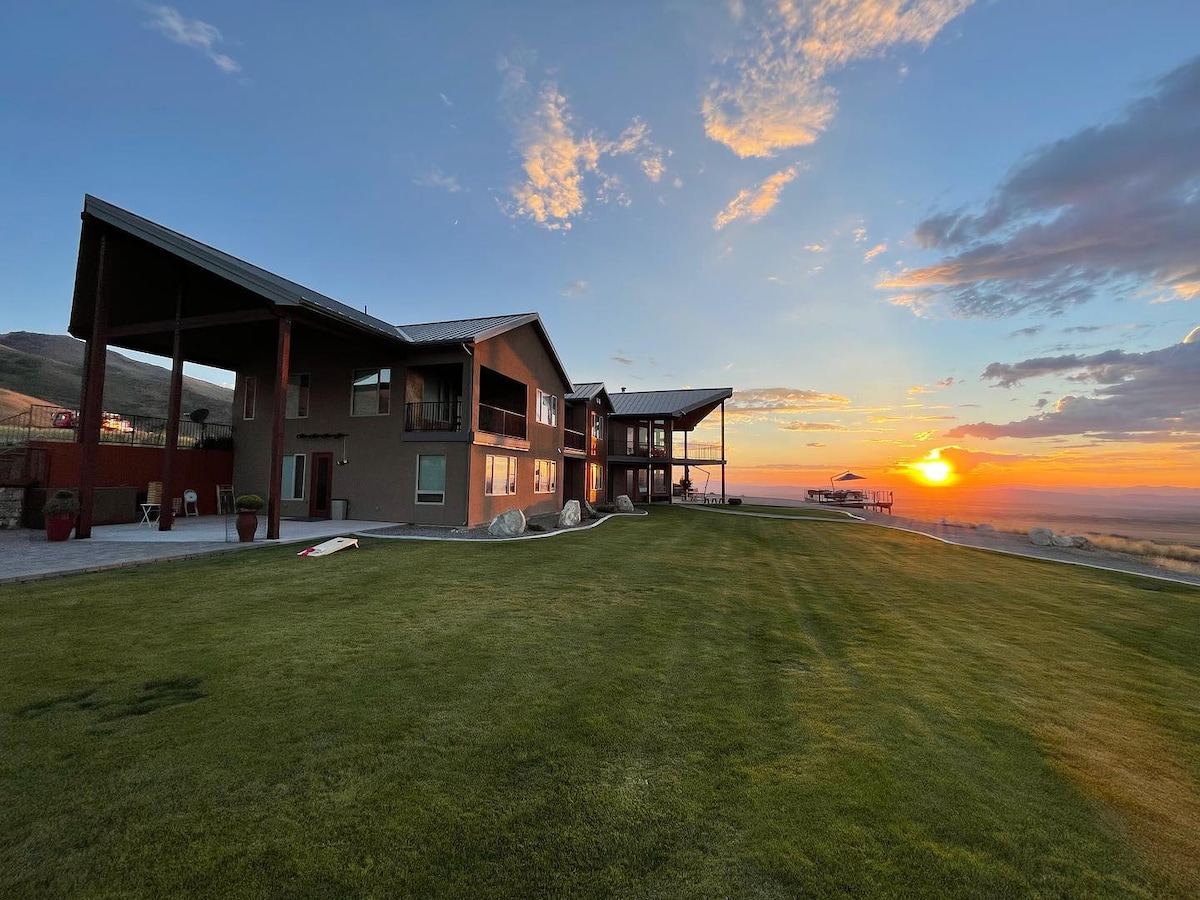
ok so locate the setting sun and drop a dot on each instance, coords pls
(934, 471)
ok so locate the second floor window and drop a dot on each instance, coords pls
(297, 397)
(371, 394)
(597, 426)
(547, 408)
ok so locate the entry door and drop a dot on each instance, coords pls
(320, 486)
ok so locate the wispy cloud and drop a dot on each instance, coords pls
(1108, 211)
(812, 426)
(561, 164)
(817, 248)
(874, 252)
(574, 289)
(772, 92)
(755, 203)
(623, 360)
(435, 178)
(193, 33)
(446, 100)
(1031, 331)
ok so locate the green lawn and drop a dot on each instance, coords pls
(806, 512)
(680, 705)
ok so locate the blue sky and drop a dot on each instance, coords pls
(817, 203)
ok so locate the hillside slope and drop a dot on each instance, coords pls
(49, 367)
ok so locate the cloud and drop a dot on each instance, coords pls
(574, 289)
(436, 179)
(756, 203)
(814, 444)
(1031, 331)
(678, 182)
(874, 252)
(1193, 336)
(1108, 211)
(962, 460)
(947, 382)
(622, 360)
(560, 165)
(783, 401)
(772, 92)
(446, 100)
(812, 426)
(193, 33)
(1147, 396)
(817, 248)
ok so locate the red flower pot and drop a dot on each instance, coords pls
(58, 528)
(247, 524)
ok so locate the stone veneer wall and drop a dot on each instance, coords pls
(12, 506)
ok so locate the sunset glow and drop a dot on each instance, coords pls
(934, 471)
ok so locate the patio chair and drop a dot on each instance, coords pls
(189, 503)
(153, 504)
(224, 499)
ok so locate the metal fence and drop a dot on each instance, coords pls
(494, 420)
(55, 423)
(433, 415)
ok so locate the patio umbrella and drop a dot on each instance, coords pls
(846, 476)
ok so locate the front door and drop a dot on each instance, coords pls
(320, 486)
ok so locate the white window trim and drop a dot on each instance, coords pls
(418, 492)
(249, 392)
(546, 410)
(289, 483)
(553, 486)
(377, 370)
(510, 482)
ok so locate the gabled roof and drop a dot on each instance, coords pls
(667, 404)
(278, 290)
(464, 329)
(585, 391)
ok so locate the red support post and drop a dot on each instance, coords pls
(722, 451)
(166, 512)
(283, 355)
(92, 401)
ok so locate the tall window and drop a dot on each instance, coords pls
(431, 479)
(594, 477)
(249, 395)
(545, 476)
(547, 408)
(293, 476)
(597, 426)
(500, 475)
(372, 392)
(297, 397)
(642, 481)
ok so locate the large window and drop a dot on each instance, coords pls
(297, 397)
(500, 475)
(642, 481)
(372, 392)
(547, 408)
(598, 426)
(249, 396)
(545, 476)
(594, 477)
(293, 476)
(431, 479)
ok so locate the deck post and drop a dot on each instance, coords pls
(91, 401)
(283, 353)
(687, 470)
(722, 451)
(166, 512)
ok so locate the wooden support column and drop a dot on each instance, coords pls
(166, 512)
(283, 353)
(687, 469)
(722, 451)
(92, 401)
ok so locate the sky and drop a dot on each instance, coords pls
(903, 231)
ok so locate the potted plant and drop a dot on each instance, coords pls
(248, 506)
(60, 512)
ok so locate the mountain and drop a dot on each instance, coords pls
(48, 369)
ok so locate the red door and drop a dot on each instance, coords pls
(320, 486)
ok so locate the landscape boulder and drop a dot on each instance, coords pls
(984, 528)
(624, 504)
(1041, 537)
(509, 523)
(570, 515)
(1079, 542)
(590, 511)
(1060, 540)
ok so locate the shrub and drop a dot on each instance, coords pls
(606, 507)
(63, 503)
(534, 526)
(252, 502)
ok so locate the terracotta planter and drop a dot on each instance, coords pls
(58, 528)
(247, 524)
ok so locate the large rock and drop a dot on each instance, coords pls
(590, 511)
(624, 504)
(570, 515)
(508, 524)
(1061, 540)
(1080, 542)
(1041, 537)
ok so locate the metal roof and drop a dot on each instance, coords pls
(585, 391)
(667, 403)
(464, 329)
(278, 290)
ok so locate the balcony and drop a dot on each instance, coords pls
(433, 415)
(709, 451)
(495, 420)
(574, 440)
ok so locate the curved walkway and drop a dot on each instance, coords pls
(996, 542)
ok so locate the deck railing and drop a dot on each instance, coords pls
(705, 450)
(433, 415)
(495, 420)
(55, 423)
(574, 440)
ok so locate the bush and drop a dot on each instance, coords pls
(606, 507)
(251, 502)
(534, 526)
(63, 503)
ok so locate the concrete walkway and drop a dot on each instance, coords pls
(26, 555)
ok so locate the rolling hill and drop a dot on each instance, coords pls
(48, 369)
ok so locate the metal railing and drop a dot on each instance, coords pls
(433, 415)
(56, 423)
(574, 440)
(705, 450)
(501, 421)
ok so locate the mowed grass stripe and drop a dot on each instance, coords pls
(684, 705)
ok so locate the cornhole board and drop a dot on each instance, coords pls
(330, 546)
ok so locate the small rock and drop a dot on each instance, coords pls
(1080, 542)
(590, 511)
(570, 515)
(509, 523)
(984, 528)
(624, 504)
(1041, 537)
(1060, 540)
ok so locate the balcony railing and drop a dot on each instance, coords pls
(644, 450)
(574, 440)
(706, 450)
(433, 415)
(56, 423)
(501, 421)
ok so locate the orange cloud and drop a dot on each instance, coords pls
(756, 203)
